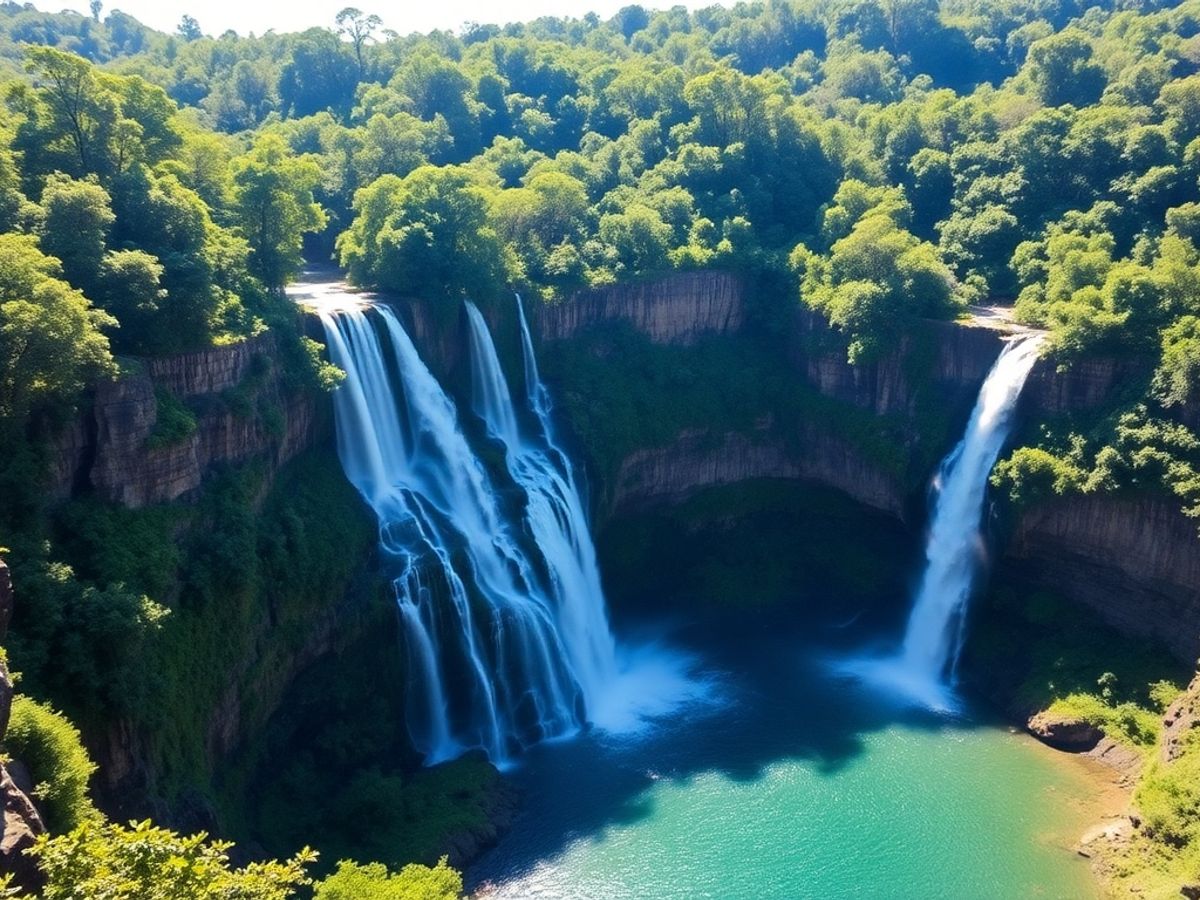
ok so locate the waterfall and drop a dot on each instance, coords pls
(933, 639)
(554, 512)
(497, 660)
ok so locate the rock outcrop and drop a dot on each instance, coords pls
(700, 459)
(242, 410)
(22, 824)
(1181, 718)
(951, 359)
(676, 309)
(1134, 560)
(6, 609)
(1064, 732)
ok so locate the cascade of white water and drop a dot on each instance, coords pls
(488, 667)
(554, 510)
(934, 636)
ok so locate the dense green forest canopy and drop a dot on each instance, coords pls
(894, 160)
(900, 158)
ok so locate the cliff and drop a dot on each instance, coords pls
(242, 410)
(676, 309)
(699, 459)
(1134, 561)
(949, 359)
(22, 823)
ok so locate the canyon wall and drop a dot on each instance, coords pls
(1134, 560)
(242, 407)
(676, 309)
(699, 459)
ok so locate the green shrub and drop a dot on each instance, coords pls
(352, 881)
(142, 862)
(175, 422)
(46, 742)
(1128, 723)
(1168, 798)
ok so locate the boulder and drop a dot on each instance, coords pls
(1064, 732)
(22, 825)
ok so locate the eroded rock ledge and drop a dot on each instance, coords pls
(242, 410)
(676, 309)
(699, 459)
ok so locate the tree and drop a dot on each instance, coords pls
(273, 198)
(78, 120)
(74, 224)
(424, 235)
(1062, 70)
(320, 75)
(640, 237)
(359, 28)
(189, 29)
(875, 280)
(51, 343)
(96, 6)
(131, 290)
(80, 113)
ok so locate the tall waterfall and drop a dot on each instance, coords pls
(506, 642)
(554, 512)
(933, 639)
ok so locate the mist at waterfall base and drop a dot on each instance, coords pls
(924, 669)
(494, 572)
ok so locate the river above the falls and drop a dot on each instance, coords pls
(794, 781)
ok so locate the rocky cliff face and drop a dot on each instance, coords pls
(1136, 562)
(700, 459)
(22, 823)
(676, 309)
(948, 358)
(242, 411)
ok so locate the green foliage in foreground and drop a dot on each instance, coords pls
(155, 610)
(1163, 852)
(104, 861)
(50, 746)
(352, 881)
(1136, 724)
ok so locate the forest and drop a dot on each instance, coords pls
(881, 163)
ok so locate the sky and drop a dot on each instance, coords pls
(244, 16)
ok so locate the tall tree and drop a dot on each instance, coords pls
(359, 28)
(273, 197)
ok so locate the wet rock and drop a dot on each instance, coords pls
(1064, 732)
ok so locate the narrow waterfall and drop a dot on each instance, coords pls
(933, 639)
(554, 511)
(489, 665)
